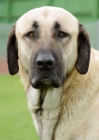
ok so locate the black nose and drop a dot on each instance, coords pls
(45, 61)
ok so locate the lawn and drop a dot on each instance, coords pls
(15, 119)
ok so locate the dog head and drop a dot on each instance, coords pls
(49, 43)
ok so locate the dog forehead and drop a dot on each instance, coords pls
(47, 16)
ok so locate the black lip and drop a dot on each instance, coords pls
(39, 82)
(37, 85)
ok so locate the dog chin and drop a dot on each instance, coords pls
(39, 83)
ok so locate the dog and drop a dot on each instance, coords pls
(60, 72)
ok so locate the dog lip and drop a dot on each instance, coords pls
(39, 82)
(46, 81)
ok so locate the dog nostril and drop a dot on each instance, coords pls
(39, 63)
(50, 63)
(45, 61)
(43, 64)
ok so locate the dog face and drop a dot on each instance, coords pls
(49, 43)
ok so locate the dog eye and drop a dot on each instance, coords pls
(31, 34)
(63, 34)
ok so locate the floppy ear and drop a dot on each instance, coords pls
(84, 49)
(12, 54)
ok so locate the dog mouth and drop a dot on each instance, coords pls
(46, 81)
(37, 82)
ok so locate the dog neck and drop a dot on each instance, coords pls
(44, 105)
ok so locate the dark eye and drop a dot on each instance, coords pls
(63, 34)
(31, 34)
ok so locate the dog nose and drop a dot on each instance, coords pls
(45, 61)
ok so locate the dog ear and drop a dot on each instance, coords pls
(12, 53)
(84, 48)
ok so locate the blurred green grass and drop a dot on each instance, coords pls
(15, 119)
